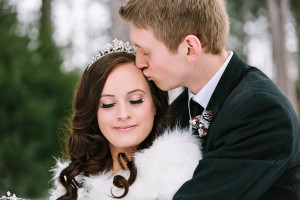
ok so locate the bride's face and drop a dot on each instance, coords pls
(126, 109)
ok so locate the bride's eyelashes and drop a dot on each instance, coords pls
(136, 101)
(108, 105)
(139, 101)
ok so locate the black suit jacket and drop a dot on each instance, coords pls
(252, 147)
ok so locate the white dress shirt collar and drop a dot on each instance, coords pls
(204, 95)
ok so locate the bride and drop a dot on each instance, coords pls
(121, 143)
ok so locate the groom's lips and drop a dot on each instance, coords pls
(147, 77)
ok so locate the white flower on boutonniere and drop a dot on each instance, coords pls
(202, 122)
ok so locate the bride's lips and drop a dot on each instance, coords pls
(125, 128)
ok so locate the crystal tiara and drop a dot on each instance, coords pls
(115, 46)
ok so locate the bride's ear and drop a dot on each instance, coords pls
(192, 46)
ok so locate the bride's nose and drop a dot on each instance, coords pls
(123, 112)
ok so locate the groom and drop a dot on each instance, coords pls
(252, 146)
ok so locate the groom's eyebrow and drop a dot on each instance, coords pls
(141, 47)
(137, 45)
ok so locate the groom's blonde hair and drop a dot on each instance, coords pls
(172, 20)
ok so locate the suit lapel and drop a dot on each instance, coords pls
(232, 75)
(229, 80)
(234, 72)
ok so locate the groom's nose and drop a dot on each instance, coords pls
(140, 60)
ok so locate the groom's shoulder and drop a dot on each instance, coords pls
(259, 83)
(257, 88)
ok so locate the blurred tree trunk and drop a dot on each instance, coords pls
(119, 28)
(295, 5)
(278, 14)
(46, 23)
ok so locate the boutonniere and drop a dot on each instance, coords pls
(202, 122)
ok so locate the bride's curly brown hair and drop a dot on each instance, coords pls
(88, 149)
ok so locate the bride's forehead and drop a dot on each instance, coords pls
(126, 70)
(126, 76)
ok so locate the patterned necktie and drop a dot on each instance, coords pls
(195, 108)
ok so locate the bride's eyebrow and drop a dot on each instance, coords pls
(136, 90)
(106, 95)
(130, 92)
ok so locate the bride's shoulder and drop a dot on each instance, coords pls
(167, 164)
(60, 164)
(89, 186)
(173, 145)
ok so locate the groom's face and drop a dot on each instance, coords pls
(166, 69)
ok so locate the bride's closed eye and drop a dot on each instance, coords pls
(108, 105)
(136, 101)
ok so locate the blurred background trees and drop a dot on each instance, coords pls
(37, 87)
(35, 97)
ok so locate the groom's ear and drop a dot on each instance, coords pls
(193, 47)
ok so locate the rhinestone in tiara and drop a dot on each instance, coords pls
(115, 46)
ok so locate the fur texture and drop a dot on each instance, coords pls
(161, 170)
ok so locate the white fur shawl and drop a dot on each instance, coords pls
(161, 170)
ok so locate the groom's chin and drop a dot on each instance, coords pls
(165, 87)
